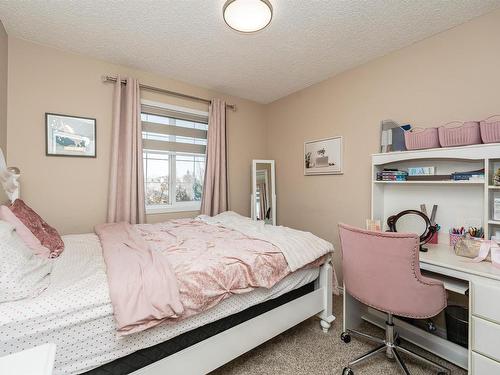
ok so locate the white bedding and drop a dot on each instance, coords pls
(75, 312)
(290, 241)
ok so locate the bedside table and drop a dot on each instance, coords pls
(35, 361)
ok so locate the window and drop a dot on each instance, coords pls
(174, 145)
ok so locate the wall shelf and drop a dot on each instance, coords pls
(471, 205)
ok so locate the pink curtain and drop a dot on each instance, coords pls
(214, 199)
(126, 185)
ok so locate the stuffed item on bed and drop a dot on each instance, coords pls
(28, 238)
(47, 235)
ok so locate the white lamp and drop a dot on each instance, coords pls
(247, 16)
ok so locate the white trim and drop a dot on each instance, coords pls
(254, 188)
(176, 207)
(174, 107)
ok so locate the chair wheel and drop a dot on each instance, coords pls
(347, 371)
(345, 337)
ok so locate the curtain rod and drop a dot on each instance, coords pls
(168, 92)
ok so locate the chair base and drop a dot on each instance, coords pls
(390, 346)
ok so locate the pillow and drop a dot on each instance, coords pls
(47, 235)
(28, 238)
(22, 273)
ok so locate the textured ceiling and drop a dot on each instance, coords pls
(306, 42)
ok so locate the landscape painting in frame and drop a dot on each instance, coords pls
(70, 135)
(323, 156)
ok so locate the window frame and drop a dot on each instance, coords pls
(191, 206)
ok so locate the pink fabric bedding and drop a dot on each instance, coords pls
(205, 264)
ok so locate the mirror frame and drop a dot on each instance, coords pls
(254, 189)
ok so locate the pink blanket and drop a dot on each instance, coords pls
(142, 284)
(173, 270)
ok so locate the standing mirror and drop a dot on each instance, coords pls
(263, 199)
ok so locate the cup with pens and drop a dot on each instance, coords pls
(457, 233)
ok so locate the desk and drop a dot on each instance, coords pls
(483, 283)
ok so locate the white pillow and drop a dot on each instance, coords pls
(22, 273)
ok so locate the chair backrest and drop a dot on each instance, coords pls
(382, 270)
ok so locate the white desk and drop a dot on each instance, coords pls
(35, 361)
(483, 282)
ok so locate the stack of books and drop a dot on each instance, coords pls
(392, 175)
(468, 176)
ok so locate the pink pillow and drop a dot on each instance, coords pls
(47, 235)
(26, 236)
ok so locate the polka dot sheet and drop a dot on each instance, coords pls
(75, 312)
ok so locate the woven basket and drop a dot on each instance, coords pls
(458, 133)
(490, 129)
(419, 138)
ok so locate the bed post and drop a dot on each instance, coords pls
(325, 282)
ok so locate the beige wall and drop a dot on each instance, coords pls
(453, 75)
(71, 193)
(3, 87)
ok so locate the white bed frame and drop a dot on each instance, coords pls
(217, 350)
(209, 354)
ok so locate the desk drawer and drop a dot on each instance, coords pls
(486, 338)
(486, 300)
(482, 365)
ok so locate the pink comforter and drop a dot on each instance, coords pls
(173, 270)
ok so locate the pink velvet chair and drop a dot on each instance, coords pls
(382, 270)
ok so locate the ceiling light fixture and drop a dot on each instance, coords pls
(247, 16)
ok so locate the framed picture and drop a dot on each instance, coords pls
(70, 135)
(323, 156)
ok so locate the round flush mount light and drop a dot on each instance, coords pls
(247, 16)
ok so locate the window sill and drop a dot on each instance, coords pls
(153, 210)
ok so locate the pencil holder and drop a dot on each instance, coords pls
(454, 238)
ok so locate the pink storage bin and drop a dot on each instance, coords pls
(490, 129)
(459, 134)
(418, 138)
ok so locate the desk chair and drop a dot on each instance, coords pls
(382, 270)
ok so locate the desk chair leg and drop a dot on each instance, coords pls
(353, 332)
(400, 362)
(442, 369)
(364, 357)
(391, 348)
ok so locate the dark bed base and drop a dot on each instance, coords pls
(144, 357)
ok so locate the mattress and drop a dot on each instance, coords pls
(75, 312)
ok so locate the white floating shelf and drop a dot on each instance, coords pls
(494, 187)
(446, 182)
(494, 222)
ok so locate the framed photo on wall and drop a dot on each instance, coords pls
(70, 135)
(323, 156)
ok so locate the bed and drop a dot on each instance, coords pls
(76, 313)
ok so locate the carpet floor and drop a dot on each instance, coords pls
(305, 349)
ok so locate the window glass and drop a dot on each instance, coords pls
(173, 179)
(156, 178)
(190, 170)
